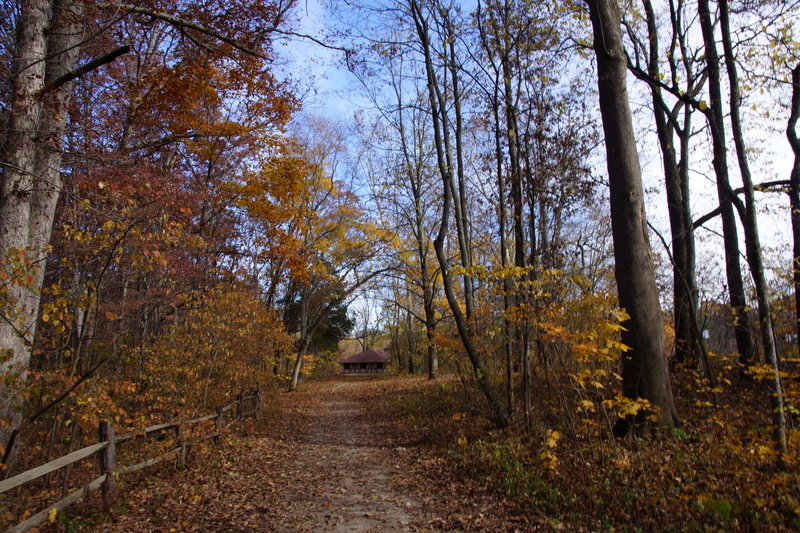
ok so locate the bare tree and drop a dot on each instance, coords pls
(367, 327)
(794, 191)
(749, 218)
(451, 172)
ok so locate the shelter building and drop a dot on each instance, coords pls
(368, 362)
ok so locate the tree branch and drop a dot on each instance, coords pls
(674, 91)
(763, 187)
(184, 23)
(315, 40)
(90, 66)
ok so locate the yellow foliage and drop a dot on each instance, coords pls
(547, 455)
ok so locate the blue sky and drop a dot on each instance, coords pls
(328, 89)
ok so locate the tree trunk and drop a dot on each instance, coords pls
(715, 117)
(644, 367)
(414, 172)
(412, 348)
(685, 342)
(460, 199)
(685, 135)
(794, 193)
(494, 97)
(395, 331)
(752, 239)
(430, 328)
(303, 342)
(497, 413)
(298, 366)
(689, 272)
(47, 46)
(519, 231)
(507, 348)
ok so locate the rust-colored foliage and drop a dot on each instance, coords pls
(181, 191)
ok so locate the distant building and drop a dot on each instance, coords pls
(369, 362)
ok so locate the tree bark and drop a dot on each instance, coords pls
(715, 117)
(48, 38)
(794, 192)
(685, 341)
(645, 373)
(752, 239)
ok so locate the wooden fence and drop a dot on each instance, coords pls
(106, 452)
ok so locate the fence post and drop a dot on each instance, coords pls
(220, 421)
(257, 404)
(181, 437)
(108, 464)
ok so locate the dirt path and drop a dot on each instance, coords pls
(350, 480)
(332, 461)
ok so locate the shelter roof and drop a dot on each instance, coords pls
(369, 356)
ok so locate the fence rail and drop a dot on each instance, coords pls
(105, 451)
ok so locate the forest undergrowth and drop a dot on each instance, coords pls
(716, 472)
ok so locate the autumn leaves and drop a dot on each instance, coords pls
(188, 217)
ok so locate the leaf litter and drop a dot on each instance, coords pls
(336, 455)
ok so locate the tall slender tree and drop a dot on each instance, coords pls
(684, 289)
(451, 191)
(794, 191)
(749, 217)
(645, 373)
(715, 116)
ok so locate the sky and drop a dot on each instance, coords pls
(327, 86)
(330, 90)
